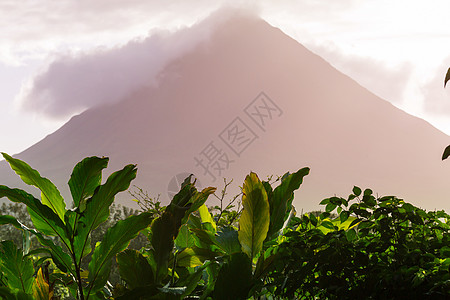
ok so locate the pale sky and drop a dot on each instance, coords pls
(400, 50)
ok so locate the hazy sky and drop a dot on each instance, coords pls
(58, 58)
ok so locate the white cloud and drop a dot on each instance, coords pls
(76, 81)
(436, 98)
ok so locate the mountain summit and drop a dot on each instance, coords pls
(250, 98)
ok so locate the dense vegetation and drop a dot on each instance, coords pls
(255, 246)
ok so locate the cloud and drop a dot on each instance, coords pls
(75, 82)
(387, 82)
(30, 29)
(436, 98)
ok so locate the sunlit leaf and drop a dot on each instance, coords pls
(41, 288)
(255, 218)
(205, 216)
(49, 193)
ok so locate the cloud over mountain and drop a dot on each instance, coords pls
(75, 82)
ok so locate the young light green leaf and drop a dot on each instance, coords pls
(85, 178)
(41, 288)
(49, 193)
(255, 218)
(115, 240)
(205, 216)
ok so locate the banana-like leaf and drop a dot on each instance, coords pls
(115, 240)
(49, 193)
(43, 218)
(97, 208)
(163, 230)
(41, 287)
(281, 200)
(205, 216)
(85, 178)
(235, 278)
(255, 218)
(17, 269)
(134, 269)
(60, 258)
(197, 201)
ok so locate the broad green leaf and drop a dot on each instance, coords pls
(185, 238)
(344, 216)
(163, 231)
(227, 239)
(60, 258)
(49, 193)
(357, 190)
(97, 207)
(194, 257)
(447, 77)
(205, 216)
(85, 178)
(8, 294)
(281, 200)
(41, 288)
(17, 269)
(330, 207)
(255, 218)
(115, 240)
(234, 279)
(134, 269)
(43, 218)
(197, 201)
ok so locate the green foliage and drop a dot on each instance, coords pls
(361, 247)
(255, 218)
(73, 228)
(377, 248)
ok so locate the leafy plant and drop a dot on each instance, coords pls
(196, 255)
(377, 248)
(73, 227)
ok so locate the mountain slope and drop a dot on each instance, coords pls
(279, 106)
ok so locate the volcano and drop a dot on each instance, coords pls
(251, 98)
